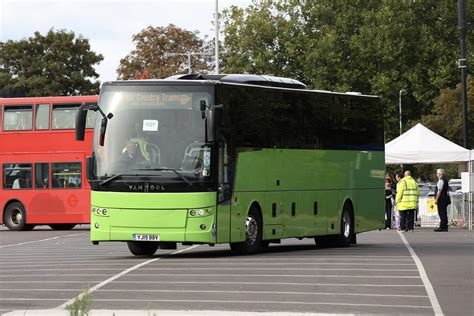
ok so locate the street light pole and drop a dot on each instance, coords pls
(216, 44)
(463, 25)
(189, 54)
(400, 93)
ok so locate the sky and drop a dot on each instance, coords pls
(108, 24)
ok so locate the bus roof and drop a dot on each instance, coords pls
(235, 79)
(61, 99)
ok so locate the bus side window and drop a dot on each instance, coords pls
(17, 176)
(66, 175)
(18, 118)
(42, 116)
(41, 175)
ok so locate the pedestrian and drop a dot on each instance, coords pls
(442, 200)
(388, 203)
(407, 201)
(398, 178)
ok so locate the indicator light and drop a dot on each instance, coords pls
(192, 212)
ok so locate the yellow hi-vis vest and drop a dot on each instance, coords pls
(407, 194)
(142, 144)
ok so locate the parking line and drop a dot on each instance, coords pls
(34, 241)
(103, 283)
(424, 277)
(228, 292)
(219, 282)
(261, 302)
(220, 275)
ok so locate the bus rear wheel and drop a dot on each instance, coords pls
(62, 226)
(253, 235)
(15, 217)
(142, 248)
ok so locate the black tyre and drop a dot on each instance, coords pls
(15, 217)
(346, 237)
(142, 248)
(253, 235)
(265, 243)
(62, 226)
(324, 241)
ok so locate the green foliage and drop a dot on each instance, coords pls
(81, 305)
(150, 45)
(446, 116)
(55, 64)
(371, 46)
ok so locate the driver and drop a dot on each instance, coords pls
(132, 153)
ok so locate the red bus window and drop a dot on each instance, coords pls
(41, 175)
(64, 116)
(18, 118)
(42, 116)
(66, 175)
(17, 176)
(91, 117)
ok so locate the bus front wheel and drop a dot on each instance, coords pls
(142, 248)
(253, 235)
(15, 217)
(346, 236)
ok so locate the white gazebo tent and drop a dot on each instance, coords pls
(421, 145)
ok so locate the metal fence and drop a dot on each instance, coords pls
(460, 212)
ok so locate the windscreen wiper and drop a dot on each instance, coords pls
(115, 176)
(168, 169)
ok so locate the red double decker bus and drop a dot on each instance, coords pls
(42, 166)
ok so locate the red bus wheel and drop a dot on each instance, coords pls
(15, 217)
(62, 226)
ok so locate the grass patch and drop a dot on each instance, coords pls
(81, 305)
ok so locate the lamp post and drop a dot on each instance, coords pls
(189, 54)
(400, 93)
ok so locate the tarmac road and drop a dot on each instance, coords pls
(45, 269)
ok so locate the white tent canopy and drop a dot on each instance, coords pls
(421, 145)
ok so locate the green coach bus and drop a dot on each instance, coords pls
(241, 159)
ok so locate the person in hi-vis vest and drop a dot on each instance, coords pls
(407, 201)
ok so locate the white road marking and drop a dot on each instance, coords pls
(103, 283)
(260, 302)
(4, 267)
(219, 282)
(228, 292)
(223, 275)
(40, 240)
(424, 277)
(212, 268)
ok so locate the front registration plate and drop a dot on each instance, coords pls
(146, 237)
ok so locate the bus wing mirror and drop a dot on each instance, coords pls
(103, 128)
(81, 116)
(89, 164)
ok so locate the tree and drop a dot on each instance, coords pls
(152, 43)
(446, 116)
(370, 46)
(55, 64)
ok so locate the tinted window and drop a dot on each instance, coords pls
(41, 175)
(66, 175)
(271, 118)
(42, 116)
(18, 118)
(17, 176)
